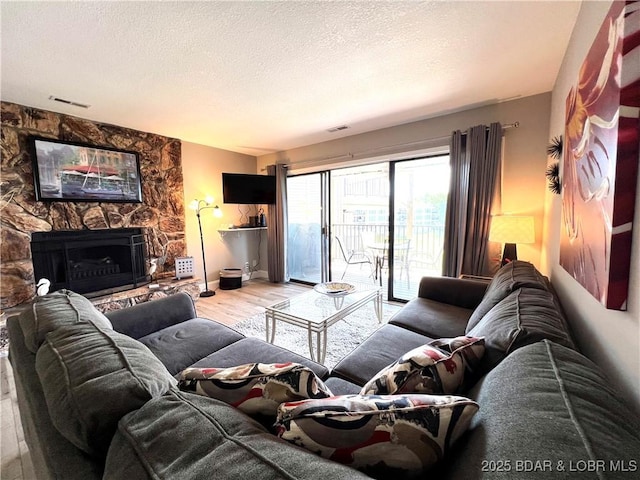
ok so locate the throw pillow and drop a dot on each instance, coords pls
(55, 310)
(255, 388)
(91, 377)
(384, 436)
(445, 365)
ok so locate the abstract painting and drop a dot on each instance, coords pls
(600, 159)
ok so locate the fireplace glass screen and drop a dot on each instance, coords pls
(90, 262)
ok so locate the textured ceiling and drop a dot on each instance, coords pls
(262, 76)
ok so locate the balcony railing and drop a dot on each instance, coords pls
(424, 256)
(426, 240)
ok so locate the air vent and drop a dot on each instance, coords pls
(68, 102)
(337, 129)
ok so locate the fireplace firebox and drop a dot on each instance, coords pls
(90, 262)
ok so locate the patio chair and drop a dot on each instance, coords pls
(380, 254)
(401, 258)
(352, 257)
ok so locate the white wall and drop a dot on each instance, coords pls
(610, 338)
(202, 169)
(525, 157)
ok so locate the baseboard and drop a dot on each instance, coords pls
(213, 285)
(256, 274)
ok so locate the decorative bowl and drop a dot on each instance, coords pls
(335, 288)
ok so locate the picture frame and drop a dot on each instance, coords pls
(80, 172)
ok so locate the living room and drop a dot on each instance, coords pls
(611, 338)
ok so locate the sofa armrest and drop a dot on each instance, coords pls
(453, 291)
(148, 317)
(52, 455)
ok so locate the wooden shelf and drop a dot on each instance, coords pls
(224, 231)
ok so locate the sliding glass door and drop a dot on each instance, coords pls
(307, 241)
(419, 199)
(359, 223)
(379, 224)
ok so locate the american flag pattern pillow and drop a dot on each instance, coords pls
(255, 388)
(441, 366)
(383, 435)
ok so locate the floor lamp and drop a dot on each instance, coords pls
(510, 230)
(198, 206)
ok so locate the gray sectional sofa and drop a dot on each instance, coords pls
(98, 397)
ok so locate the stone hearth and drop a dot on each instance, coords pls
(167, 286)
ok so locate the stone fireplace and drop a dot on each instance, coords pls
(91, 262)
(160, 216)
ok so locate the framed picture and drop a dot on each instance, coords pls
(69, 171)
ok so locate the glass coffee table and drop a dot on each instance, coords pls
(316, 312)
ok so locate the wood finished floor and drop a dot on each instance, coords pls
(227, 306)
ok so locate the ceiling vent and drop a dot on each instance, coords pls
(337, 129)
(68, 102)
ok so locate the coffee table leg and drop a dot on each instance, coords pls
(270, 318)
(266, 320)
(311, 352)
(322, 354)
(378, 305)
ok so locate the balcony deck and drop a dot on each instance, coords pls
(422, 256)
(404, 289)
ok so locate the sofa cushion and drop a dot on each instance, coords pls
(340, 386)
(432, 318)
(381, 348)
(440, 366)
(526, 316)
(509, 278)
(145, 318)
(186, 436)
(548, 403)
(255, 388)
(385, 436)
(55, 310)
(91, 377)
(253, 350)
(181, 345)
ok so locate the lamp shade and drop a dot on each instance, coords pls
(512, 229)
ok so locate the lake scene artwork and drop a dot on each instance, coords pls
(76, 172)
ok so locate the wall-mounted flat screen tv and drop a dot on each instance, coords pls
(71, 171)
(248, 189)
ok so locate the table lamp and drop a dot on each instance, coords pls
(510, 230)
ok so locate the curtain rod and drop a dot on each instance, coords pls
(351, 156)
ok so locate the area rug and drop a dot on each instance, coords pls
(342, 337)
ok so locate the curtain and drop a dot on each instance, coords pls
(277, 228)
(455, 221)
(475, 163)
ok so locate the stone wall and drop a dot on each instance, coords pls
(161, 214)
